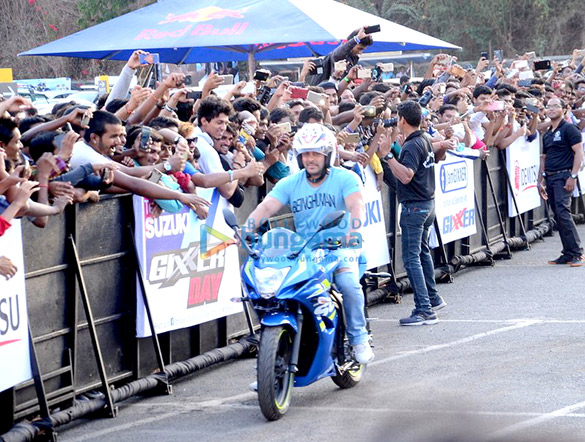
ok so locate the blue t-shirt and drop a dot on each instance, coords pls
(189, 169)
(310, 204)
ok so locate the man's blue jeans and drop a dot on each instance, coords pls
(347, 280)
(416, 218)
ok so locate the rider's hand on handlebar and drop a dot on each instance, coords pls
(251, 238)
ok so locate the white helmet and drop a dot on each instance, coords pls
(314, 137)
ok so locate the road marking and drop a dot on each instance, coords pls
(519, 325)
(232, 403)
(479, 321)
(128, 426)
(178, 408)
(561, 412)
(497, 321)
(418, 411)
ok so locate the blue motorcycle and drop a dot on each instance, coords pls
(301, 314)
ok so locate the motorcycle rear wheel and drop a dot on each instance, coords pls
(275, 382)
(351, 377)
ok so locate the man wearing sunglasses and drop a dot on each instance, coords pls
(560, 162)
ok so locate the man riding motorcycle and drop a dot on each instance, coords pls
(316, 190)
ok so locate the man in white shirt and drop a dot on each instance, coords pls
(104, 134)
(213, 117)
(478, 120)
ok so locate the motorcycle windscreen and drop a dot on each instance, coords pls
(280, 242)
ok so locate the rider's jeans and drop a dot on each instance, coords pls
(348, 283)
(416, 218)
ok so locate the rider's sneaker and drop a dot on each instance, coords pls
(253, 386)
(420, 319)
(363, 353)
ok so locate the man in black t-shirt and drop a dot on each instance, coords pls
(560, 162)
(415, 186)
(349, 51)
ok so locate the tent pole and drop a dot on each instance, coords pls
(251, 65)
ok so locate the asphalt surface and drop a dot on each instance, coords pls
(504, 363)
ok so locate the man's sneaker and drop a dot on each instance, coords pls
(561, 260)
(440, 305)
(363, 353)
(577, 261)
(420, 319)
(253, 386)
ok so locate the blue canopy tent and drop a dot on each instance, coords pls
(198, 31)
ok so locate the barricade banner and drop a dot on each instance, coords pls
(14, 342)
(454, 199)
(190, 271)
(373, 230)
(47, 84)
(523, 164)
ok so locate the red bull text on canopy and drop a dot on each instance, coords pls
(198, 16)
(205, 14)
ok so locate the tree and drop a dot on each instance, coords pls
(515, 26)
(30, 23)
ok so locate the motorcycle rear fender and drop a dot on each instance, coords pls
(280, 318)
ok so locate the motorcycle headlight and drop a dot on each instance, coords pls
(269, 280)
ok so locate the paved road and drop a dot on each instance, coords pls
(506, 362)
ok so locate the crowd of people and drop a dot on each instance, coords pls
(164, 142)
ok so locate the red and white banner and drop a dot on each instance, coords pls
(523, 164)
(190, 272)
(14, 342)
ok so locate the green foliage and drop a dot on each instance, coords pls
(92, 12)
(515, 26)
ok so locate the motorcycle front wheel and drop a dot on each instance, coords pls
(275, 381)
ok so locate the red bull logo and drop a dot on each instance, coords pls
(187, 24)
(205, 14)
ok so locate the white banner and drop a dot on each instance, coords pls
(190, 274)
(454, 198)
(373, 230)
(14, 345)
(523, 164)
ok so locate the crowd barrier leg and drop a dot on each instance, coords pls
(45, 423)
(395, 290)
(446, 268)
(507, 253)
(511, 192)
(155, 341)
(248, 317)
(7, 415)
(485, 235)
(111, 411)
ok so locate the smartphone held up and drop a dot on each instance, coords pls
(153, 58)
